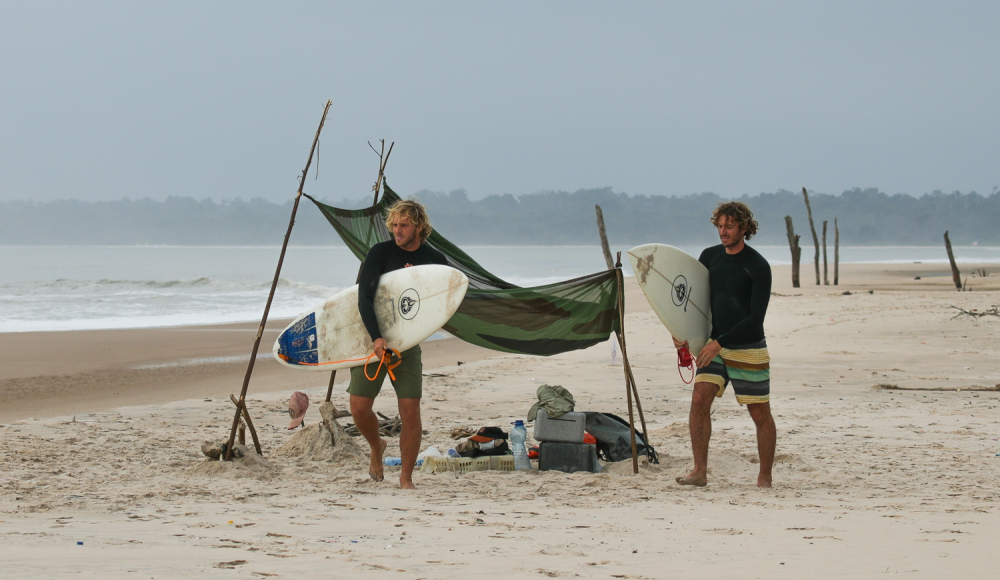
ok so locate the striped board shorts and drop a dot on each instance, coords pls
(747, 366)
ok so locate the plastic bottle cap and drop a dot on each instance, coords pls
(518, 423)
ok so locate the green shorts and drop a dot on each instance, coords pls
(409, 377)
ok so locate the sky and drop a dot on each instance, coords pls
(105, 100)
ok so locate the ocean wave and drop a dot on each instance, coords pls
(67, 304)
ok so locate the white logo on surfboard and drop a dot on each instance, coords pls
(409, 303)
(680, 293)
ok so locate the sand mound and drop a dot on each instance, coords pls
(251, 466)
(324, 441)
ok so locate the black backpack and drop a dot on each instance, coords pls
(614, 438)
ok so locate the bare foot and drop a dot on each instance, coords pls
(692, 479)
(375, 467)
(406, 484)
(761, 482)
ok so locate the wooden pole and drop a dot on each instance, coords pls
(604, 238)
(836, 253)
(625, 366)
(329, 389)
(793, 245)
(270, 296)
(955, 275)
(383, 158)
(826, 280)
(812, 227)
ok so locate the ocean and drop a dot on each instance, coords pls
(55, 288)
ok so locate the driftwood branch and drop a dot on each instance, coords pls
(812, 227)
(386, 427)
(885, 387)
(951, 258)
(994, 311)
(604, 238)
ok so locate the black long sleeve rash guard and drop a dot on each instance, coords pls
(741, 289)
(387, 257)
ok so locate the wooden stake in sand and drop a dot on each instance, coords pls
(793, 245)
(955, 275)
(630, 388)
(836, 253)
(241, 409)
(812, 227)
(604, 238)
(270, 297)
(826, 280)
(329, 388)
(383, 158)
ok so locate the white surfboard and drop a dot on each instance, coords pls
(676, 285)
(411, 304)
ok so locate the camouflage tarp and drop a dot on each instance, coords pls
(496, 314)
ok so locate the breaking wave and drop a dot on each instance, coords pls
(68, 304)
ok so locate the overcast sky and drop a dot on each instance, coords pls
(104, 100)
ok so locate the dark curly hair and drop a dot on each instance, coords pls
(740, 213)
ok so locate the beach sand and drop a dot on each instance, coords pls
(102, 473)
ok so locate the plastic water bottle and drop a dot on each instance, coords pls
(518, 435)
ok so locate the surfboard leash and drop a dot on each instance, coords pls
(386, 360)
(388, 365)
(685, 361)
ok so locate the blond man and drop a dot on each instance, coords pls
(408, 222)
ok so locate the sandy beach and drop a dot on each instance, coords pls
(888, 458)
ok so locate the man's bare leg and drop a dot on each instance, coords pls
(700, 424)
(767, 436)
(367, 423)
(409, 439)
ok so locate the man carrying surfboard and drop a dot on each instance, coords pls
(410, 226)
(740, 282)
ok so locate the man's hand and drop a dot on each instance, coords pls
(678, 344)
(380, 347)
(708, 352)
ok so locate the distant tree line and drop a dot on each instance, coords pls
(865, 216)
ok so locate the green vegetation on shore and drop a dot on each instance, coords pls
(865, 217)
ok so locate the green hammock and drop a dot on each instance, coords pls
(496, 314)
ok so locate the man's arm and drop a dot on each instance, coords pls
(371, 272)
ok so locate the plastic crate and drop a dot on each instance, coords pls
(502, 463)
(567, 457)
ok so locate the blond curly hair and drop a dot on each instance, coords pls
(415, 212)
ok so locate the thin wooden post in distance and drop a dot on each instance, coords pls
(812, 227)
(955, 275)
